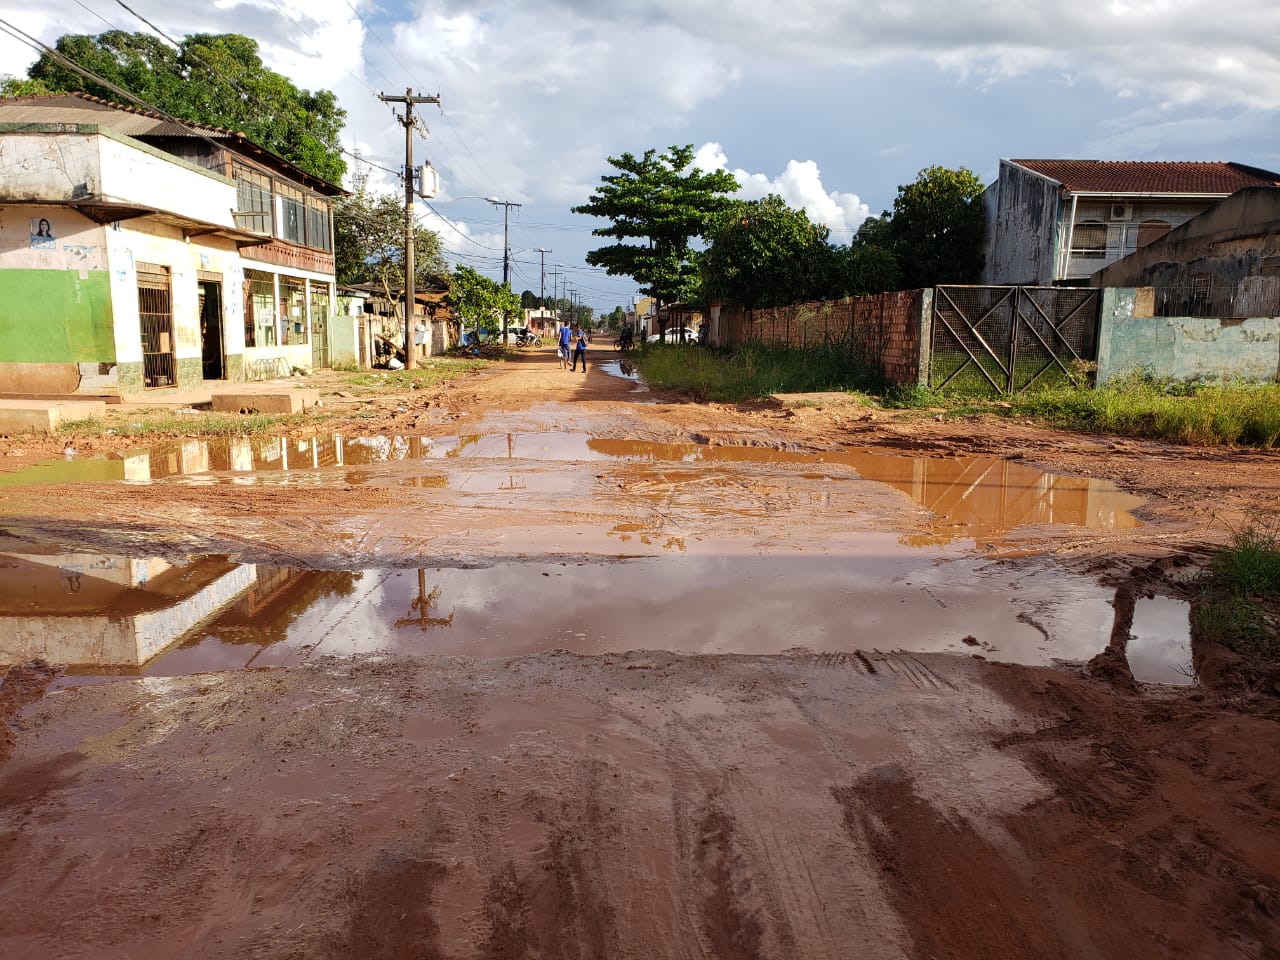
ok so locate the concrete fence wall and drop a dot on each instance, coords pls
(1131, 341)
(892, 326)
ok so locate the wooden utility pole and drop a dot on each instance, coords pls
(506, 206)
(410, 294)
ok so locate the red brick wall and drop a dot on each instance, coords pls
(886, 325)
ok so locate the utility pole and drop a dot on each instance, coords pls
(410, 295)
(506, 206)
(542, 286)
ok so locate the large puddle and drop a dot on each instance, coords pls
(858, 589)
(971, 496)
(115, 615)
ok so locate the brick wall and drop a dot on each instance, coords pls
(887, 326)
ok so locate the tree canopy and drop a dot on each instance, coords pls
(663, 202)
(478, 301)
(213, 79)
(936, 229)
(368, 245)
(763, 253)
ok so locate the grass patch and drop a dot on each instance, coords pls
(429, 374)
(756, 370)
(169, 424)
(1244, 414)
(1240, 602)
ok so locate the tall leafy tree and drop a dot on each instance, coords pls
(213, 79)
(936, 229)
(656, 204)
(763, 253)
(368, 241)
(478, 301)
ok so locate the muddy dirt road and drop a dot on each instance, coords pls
(546, 665)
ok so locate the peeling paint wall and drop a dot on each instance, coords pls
(1236, 244)
(1183, 348)
(1022, 222)
(97, 165)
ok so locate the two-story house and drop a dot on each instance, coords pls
(138, 253)
(1061, 221)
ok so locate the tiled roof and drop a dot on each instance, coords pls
(1151, 176)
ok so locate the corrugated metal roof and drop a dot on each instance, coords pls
(1151, 176)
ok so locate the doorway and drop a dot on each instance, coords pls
(211, 353)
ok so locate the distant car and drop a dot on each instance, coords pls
(674, 336)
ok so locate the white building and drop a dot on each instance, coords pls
(138, 253)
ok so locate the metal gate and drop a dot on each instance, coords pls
(155, 315)
(1007, 339)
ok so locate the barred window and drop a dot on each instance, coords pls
(293, 213)
(253, 199)
(1089, 241)
(293, 310)
(259, 309)
(318, 233)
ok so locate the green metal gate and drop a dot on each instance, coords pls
(1000, 340)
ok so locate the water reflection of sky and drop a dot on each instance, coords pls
(883, 595)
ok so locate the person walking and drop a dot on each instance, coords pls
(565, 345)
(579, 348)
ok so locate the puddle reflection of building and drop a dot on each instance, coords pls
(115, 614)
(275, 600)
(420, 608)
(107, 611)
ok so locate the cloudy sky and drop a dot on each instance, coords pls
(830, 103)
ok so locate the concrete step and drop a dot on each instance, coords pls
(44, 416)
(263, 401)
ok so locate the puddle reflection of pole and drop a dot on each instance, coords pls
(421, 604)
(512, 483)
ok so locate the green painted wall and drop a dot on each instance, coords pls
(234, 367)
(54, 316)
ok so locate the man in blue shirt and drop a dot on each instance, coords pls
(566, 341)
(579, 348)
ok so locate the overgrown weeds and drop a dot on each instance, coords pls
(756, 370)
(1240, 594)
(1203, 413)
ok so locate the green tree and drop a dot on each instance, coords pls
(11, 86)
(528, 300)
(212, 79)
(937, 228)
(763, 253)
(368, 245)
(478, 302)
(867, 268)
(616, 318)
(657, 205)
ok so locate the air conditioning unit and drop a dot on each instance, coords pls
(1122, 211)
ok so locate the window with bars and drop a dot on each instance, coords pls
(253, 199)
(259, 309)
(318, 234)
(293, 310)
(1089, 240)
(293, 213)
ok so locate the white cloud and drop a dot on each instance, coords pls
(800, 185)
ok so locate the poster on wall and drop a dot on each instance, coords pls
(42, 237)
